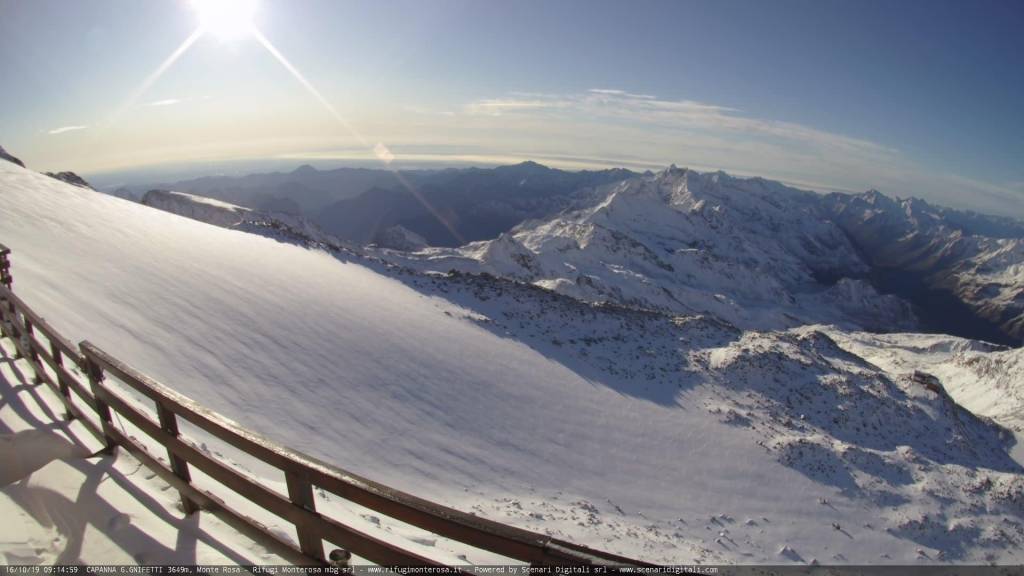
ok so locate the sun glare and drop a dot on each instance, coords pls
(226, 19)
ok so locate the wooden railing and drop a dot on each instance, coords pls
(59, 364)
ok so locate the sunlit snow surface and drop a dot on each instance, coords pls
(670, 440)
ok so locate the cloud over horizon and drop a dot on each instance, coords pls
(164, 102)
(64, 129)
(709, 136)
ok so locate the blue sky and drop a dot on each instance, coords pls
(913, 98)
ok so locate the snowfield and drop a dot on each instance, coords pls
(677, 439)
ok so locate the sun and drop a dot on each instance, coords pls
(226, 19)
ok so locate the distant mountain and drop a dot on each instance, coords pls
(451, 207)
(5, 156)
(763, 255)
(445, 207)
(400, 238)
(919, 250)
(750, 251)
(70, 178)
(304, 191)
(125, 193)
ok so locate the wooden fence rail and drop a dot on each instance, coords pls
(61, 365)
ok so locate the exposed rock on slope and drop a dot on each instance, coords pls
(983, 377)
(70, 178)
(6, 156)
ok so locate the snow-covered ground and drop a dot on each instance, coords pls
(62, 507)
(672, 439)
(983, 378)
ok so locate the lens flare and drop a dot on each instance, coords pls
(232, 19)
(226, 19)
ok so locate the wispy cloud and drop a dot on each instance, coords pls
(623, 93)
(648, 109)
(64, 129)
(164, 102)
(499, 106)
(420, 110)
(608, 122)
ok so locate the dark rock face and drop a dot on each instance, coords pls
(951, 264)
(70, 178)
(6, 156)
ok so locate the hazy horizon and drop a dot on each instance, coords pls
(914, 98)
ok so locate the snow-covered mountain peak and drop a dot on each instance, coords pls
(762, 254)
(748, 250)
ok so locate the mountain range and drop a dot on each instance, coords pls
(764, 255)
(751, 250)
(446, 207)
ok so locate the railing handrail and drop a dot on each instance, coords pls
(442, 520)
(42, 325)
(301, 470)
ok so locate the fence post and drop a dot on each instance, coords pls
(95, 373)
(5, 267)
(33, 356)
(11, 325)
(7, 326)
(169, 424)
(300, 492)
(5, 279)
(65, 391)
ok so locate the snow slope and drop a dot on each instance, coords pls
(216, 212)
(674, 439)
(984, 378)
(277, 225)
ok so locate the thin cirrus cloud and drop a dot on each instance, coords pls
(623, 93)
(64, 129)
(648, 109)
(164, 102)
(709, 136)
(175, 101)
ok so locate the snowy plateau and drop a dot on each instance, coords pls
(687, 368)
